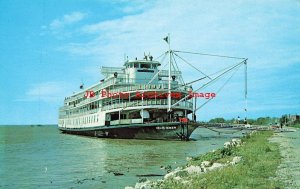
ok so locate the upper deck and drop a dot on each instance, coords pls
(134, 75)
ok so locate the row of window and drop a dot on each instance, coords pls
(81, 121)
(85, 108)
(73, 103)
(140, 65)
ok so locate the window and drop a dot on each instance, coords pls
(154, 66)
(145, 65)
(136, 65)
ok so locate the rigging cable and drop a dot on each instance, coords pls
(206, 84)
(191, 65)
(195, 81)
(161, 55)
(178, 69)
(219, 88)
(226, 68)
(215, 55)
(152, 79)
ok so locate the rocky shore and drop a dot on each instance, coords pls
(181, 173)
(249, 162)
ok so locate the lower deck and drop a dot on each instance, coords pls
(155, 131)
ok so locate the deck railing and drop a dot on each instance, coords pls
(148, 102)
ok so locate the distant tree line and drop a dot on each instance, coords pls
(290, 120)
(258, 121)
(285, 120)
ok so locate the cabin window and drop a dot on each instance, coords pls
(136, 65)
(131, 65)
(154, 66)
(145, 65)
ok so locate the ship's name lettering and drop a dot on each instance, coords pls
(165, 128)
(148, 95)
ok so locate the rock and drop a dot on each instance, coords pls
(178, 169)
(177, 172)
(236, 141)
(171, 174)
(177, 178)
(205, 163)
(216, 166)
(227, 144)
(193, 169)
(236, 160)
(143, 185)
(128, 187)
(188, 158)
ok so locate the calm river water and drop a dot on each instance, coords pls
(42, 157)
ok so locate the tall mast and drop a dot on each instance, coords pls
(170, 65)
(246, 92)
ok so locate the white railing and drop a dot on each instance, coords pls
(151, 102)
(165, 73)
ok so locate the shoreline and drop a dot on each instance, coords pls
(249, 162)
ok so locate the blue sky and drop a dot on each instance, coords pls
(47, 48)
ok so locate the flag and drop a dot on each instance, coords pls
(166, 39)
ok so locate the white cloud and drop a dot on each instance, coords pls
(265, 32)
(64, 27)
(67, 20)
(133, 6)
(52, 91)
(45, 89)
(257, 30)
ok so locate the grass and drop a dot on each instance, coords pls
(296, 125)
(260, 160)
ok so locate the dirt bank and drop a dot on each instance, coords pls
(289, 169)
